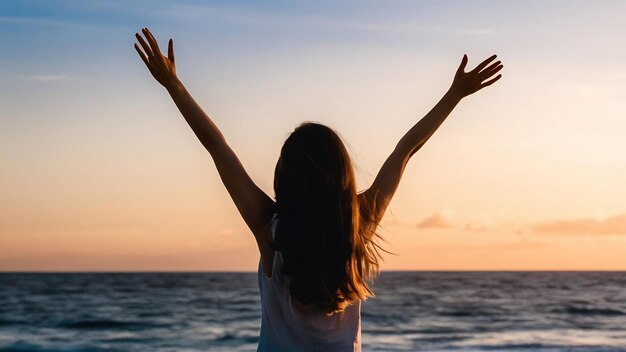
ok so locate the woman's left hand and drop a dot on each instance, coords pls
(466, 83)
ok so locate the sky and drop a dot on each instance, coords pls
(101, 173)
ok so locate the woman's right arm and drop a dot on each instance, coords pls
(254, 205)
(388, 178)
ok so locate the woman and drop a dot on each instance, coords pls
(316, 240)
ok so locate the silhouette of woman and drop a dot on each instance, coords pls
(317, 238)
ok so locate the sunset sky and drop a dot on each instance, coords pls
(100, 171)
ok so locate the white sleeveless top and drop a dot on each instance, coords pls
(286, 325)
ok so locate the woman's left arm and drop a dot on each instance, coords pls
(465, 83)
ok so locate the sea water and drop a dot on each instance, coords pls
(412, 311)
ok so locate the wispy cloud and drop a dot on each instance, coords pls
(34, 21)
(50, 78)
(476, 31)
(613, 225)
(441, 220)
(446, 219)
(481, 222)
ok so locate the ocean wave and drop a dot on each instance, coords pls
(412, 311)
(21, 346)
(108, 324)
(576, 310)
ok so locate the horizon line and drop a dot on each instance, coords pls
(254, 272)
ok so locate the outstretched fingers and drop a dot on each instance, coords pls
(490, 82)
(142, 55)
(153, 43)
(491, 70)
(144, 45)
(494, 71)
(484, 63)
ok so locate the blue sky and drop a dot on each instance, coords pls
(97, 157)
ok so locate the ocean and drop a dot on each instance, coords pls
(412, 311)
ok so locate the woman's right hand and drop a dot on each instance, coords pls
(162, 68)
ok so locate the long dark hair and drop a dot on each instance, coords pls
(325, 230)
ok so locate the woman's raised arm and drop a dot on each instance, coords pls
(464, 84)
(253, 204)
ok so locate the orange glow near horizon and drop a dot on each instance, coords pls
(101, 173)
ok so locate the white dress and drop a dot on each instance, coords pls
(286, 325)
